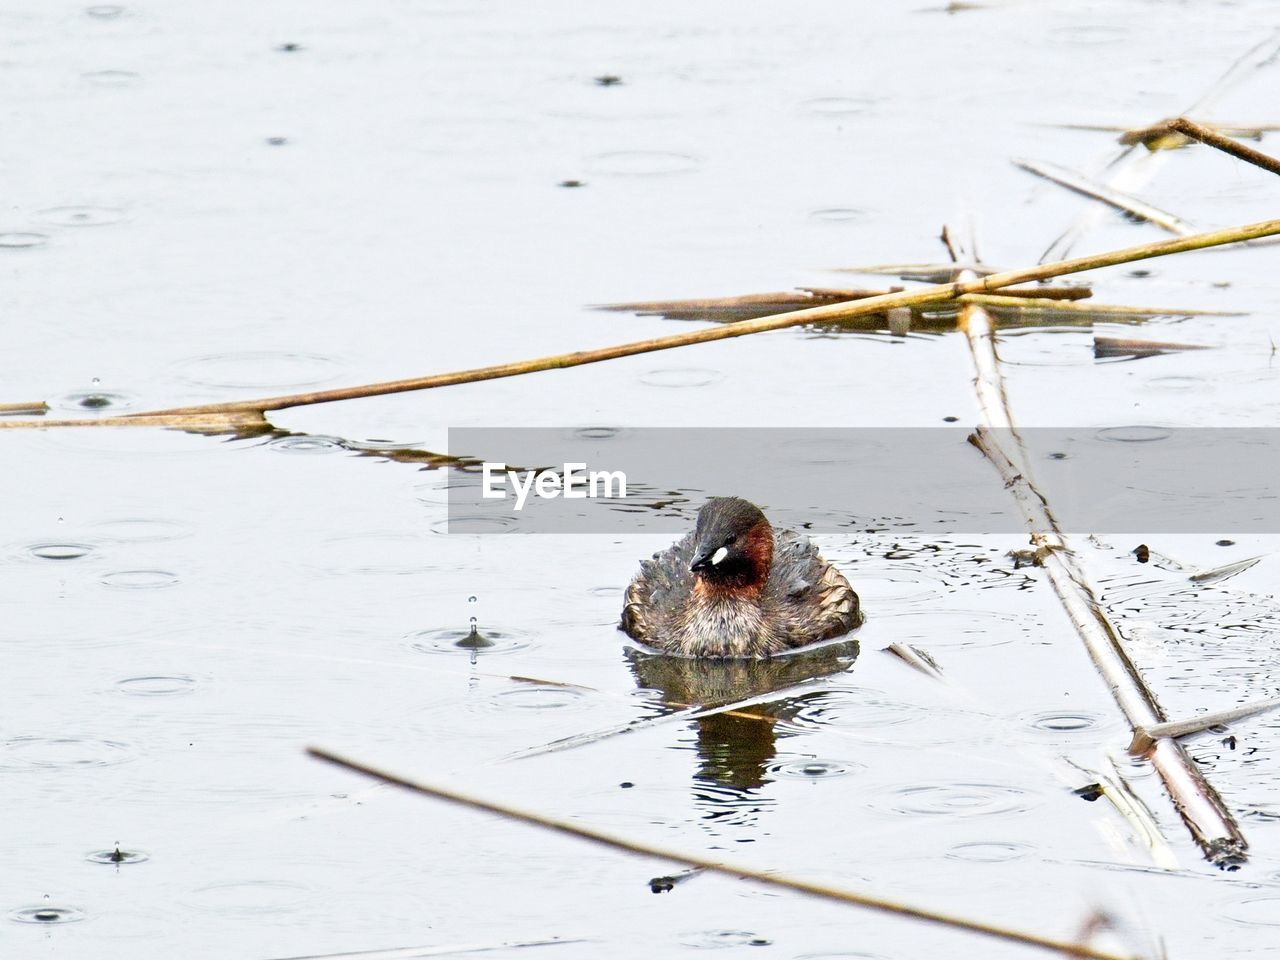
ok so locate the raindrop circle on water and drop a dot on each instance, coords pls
(836, 214)
(138, 579)
(1254, 911)
(473, 524)
(1179, 383)
(536, 697)
(111, 78)
(813, 769)
(47, 913)
(259, 368)
(717, 939)
(117, 856)
(306, 445)
(250, 896)
(990, 851)
(1058, 722)
(441, 492)
(376, 554)
(460, 640)
(597, 433)
(18, 240)
(854, 709)
(1092, 35)
(940, 627)
(142, 530)
(903, 588)
(62, 752)
(59, 551)
(837, 106)
(642, 163)
(81, 216)
(962, 800)
(1138, 433)
(94, 400)
(681, 377)
(157, 686)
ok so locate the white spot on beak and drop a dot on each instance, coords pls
(719, 555)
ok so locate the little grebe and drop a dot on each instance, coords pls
(734, 589)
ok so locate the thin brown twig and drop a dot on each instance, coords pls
(1196, 131)
(767, 878)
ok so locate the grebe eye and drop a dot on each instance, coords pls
(731, 541)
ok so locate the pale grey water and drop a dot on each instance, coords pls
(183, 614)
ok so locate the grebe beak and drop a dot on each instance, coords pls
(705, 559)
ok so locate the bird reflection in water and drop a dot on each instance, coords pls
(735, 748)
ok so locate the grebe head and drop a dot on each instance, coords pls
(733, 546)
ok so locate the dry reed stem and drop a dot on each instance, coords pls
(233, 421)
(1144, 736)
(840, 311)
(1134, 164)
(917, 659)
(1097, 309)
(1121, 796)
(1132, 135)
(1199, 805)
(924, 272)
(1112, 197)
(251, 412)
(34, 408)
(1201, 808)
(767, 878)
(1195, 131)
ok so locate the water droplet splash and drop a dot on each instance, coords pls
(813, 769)
(719, 939)
(81, 216)
(59, 551)
(117, 856)
(456, 640)
(308, 444)
(47, 912)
